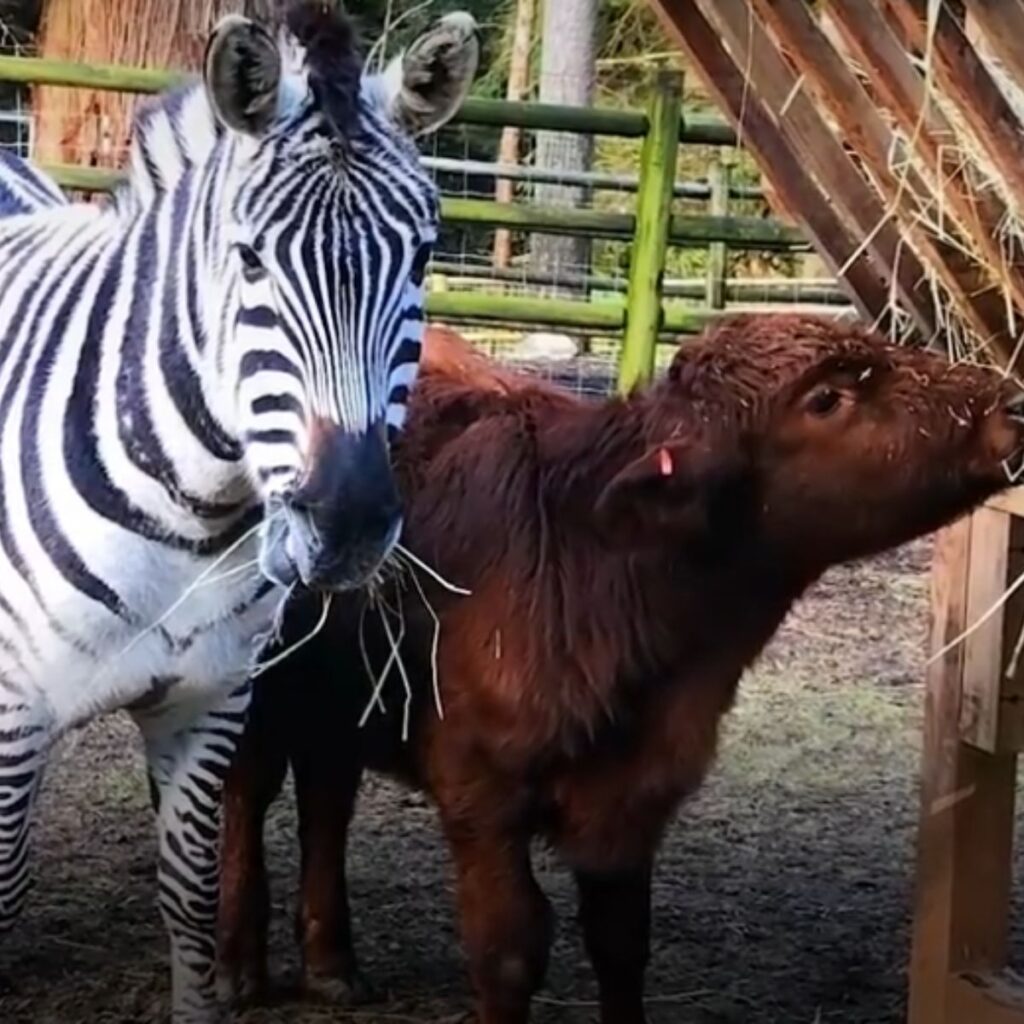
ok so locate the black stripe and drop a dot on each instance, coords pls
(61, 552)
(277, 403)
(270, 437)
(183, 383)
(135, 426)
(261, 360)
(82, 459)
(257, 316)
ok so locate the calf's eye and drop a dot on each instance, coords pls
(823, 401)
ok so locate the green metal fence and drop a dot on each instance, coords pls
(652, 228)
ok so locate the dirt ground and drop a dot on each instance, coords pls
(782, 894)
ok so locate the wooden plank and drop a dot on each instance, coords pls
(965, 842)
(983, 647)
(986, 999)
(1002, 24)
(901, 88)
(797, 190)
(966, 80)
(1010, 736)
(795, 112)
(1011, 501)
(861, 124)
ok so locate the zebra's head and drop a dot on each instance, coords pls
(333, 221)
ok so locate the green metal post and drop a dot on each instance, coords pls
(653, 225)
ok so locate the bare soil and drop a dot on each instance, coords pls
(782, 893)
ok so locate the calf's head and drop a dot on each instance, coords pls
(811, 441)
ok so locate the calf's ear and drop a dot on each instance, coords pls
(668, 495)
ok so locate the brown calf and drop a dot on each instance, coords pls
(628, 559)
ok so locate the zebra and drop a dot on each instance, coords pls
(197, 384)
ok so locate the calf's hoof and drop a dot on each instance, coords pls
(243, 988)
(341, 990)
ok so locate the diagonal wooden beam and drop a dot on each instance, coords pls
(796, 114)
(778, 160)
(1002, 23)
(969, 83)
(902, 89)
(860, 123)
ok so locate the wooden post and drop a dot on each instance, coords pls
(965, 845)
(508, 150)
(653, 224)
(720, 178)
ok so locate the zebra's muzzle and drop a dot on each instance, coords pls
(335, 531)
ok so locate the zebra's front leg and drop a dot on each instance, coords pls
(25, 738)
(187, 763)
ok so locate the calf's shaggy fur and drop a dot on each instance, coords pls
(628, 559)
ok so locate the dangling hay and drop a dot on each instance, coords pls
(89, 127)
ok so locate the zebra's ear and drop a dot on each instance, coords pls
(242, 70)
(427, 84)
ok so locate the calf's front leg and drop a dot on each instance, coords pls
(505, 921)
(615, 914)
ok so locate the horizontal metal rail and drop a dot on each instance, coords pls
(697, 129)
(581, 179)
(596, 317)
(686, 231)
(812, 291)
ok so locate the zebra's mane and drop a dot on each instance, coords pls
(170, 133)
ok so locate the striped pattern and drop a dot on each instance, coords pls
(161, 361)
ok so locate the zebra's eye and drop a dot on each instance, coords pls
(419, 264)
(249, 257)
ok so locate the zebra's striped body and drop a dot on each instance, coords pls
(193, 380)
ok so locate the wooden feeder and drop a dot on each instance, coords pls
(974, 728)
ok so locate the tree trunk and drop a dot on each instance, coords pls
(568, 67)
(518, 84)
(89, 127)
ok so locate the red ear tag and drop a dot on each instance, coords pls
(665, 466)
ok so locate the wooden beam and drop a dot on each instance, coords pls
(1002, 24)
(797, 115)
(901, 88)
(983, 647)
(965, 842)
(967, 81)
(985, 999)
(797, 190)
(860, 123)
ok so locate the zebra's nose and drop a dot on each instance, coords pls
(346, 515)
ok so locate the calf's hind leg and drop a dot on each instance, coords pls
(252, 783)
(327, 774)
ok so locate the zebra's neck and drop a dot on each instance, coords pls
(174, 211)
